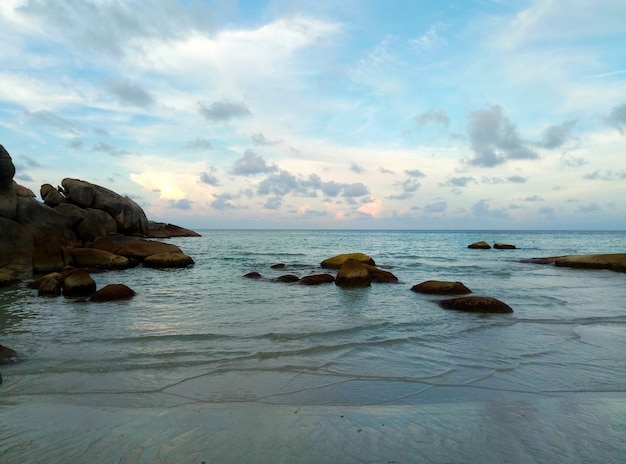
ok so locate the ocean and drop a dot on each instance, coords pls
(204, 365)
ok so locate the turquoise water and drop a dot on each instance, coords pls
(207, 336)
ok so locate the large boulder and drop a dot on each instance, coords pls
(16, 245)
(113, 292)
(165, 230)
(479, 246)
(353, 273)
(336, 261)
(78, 283)
(476, 304)
(504, 246)
(612, 261)
(128, 215)
(94, 257)
(441, 287)
(133, 247)
(51, 196)
(317, 279)
(50, 284)
(168, 260)
(8, 197)
(8, 277)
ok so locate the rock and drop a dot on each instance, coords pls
(8, 277)
(7, 355)
(611, 261)
(112, 292)
(128, 215)
(380, 276)
(504, 246)
(441, 287)
(96, 223)
(287, 278)
(22, 191)
(164, 230)
(133, 247)
(278, 266)
(168, 260)
(336, 261)
(317, 279)
(353, 274)
(78, 283)
(8, 197)
(50, 285)
(479, 246)
(476, 304)
(51, 196)
(94, 257)
(252, 275)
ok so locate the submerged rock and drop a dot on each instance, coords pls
(78, 283)
(7, 355)
(168, 260)
(287, 278)
(252, 275)
(479, 246)
(611, 261)
(317, 279)
(353, 273)
(113, 292)
(504, 246)
(336, 261)
(441, 287)
(476, 304)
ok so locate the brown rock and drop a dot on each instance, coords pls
(287, 278)
(476, 304)
(78, 283)
(164, 230)
(336, 261)
(353, 274)
(612, 261)
(381, 276)
(51, 196)
(112, 292)
(317, 279)
(168, 260)
(440, 287)
(94, 257)
(50, 285)
(278, 266)
(133, 247)
(479, 246)
(252, 275)
(8, 277)
(504, 246)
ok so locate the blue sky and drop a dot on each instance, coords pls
(485, 114)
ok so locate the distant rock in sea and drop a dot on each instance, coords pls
(611, 261)
(479, 246)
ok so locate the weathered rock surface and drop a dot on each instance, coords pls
(113, 292)
(128, 215)
(168, 260)
(133, 247)
(336, 261)
(94, 257)
(165, 230)
(353, 274)
(504, 246)
(78, 283)
(50, 284)
(51, 196)
(476, 304)
(8, 277)
(479, 246)
(317, 279)
(441, 287)
(287, 278)
(611, 261)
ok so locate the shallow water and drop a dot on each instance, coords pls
(206, 337)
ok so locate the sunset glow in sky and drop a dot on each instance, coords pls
(412, 114)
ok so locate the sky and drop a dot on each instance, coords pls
(358, 114)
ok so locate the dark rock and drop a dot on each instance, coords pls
(112, 292)
(133, 247)
(336, 261)
(440, 287)
(7, 355)
(252, 275)
(128, 215)
(50, 285)
(164, 230)
(611, 261)
(380, 276)
(479, 246)
(78, 283)
(278, 266)
(8, 277)
(476, 304)
(168, 260)
(94, 257)
(504, 246)
(288, 278)
(51, 196)
(317, 279)
(96, 223)
(8, 197)
(353, 274)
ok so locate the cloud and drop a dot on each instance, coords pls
(436, 207)
(223, 202)
(199, 144)
(251, 163)
(128, 93)
(482, 208)
(432, 116)
(259, 139)
(499, 180)
(209, 178)
(223, 110)
(273, 203)
(383, 170)
(355, 190)
(589, 208)
(414, 173)
(607, 175)
(572, 161)
(557, 135)
(494, 138)
(183, 203)
(463, 181)
(431, 39)
(356, 168)
(109, 149)
(617, 117)
(51, 119)
(533, 198)
(285, 183)
(409, 186)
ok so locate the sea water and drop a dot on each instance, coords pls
(206, 342)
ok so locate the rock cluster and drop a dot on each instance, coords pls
(611, 261)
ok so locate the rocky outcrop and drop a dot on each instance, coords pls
(165, 230)
(50, 284)
(441, 287)
(78, 283)
(611, 261)
(317, 279)
(95, 258)
(113, 292)
(476, 304)
(336, 261)
(168, 260)
(479, 246)
(133, 247)
(353, 273)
